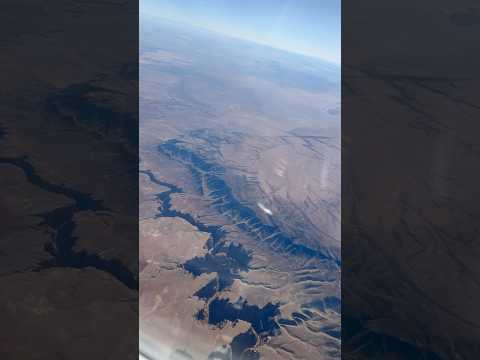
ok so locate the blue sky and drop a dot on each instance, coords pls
(310, 27)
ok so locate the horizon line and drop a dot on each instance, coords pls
(218, 32)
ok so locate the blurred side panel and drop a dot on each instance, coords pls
(68, 179)
(410, 175)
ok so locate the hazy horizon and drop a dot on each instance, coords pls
(305, 27)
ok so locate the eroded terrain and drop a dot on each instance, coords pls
(239, 200)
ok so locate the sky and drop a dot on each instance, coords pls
(309, 27)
